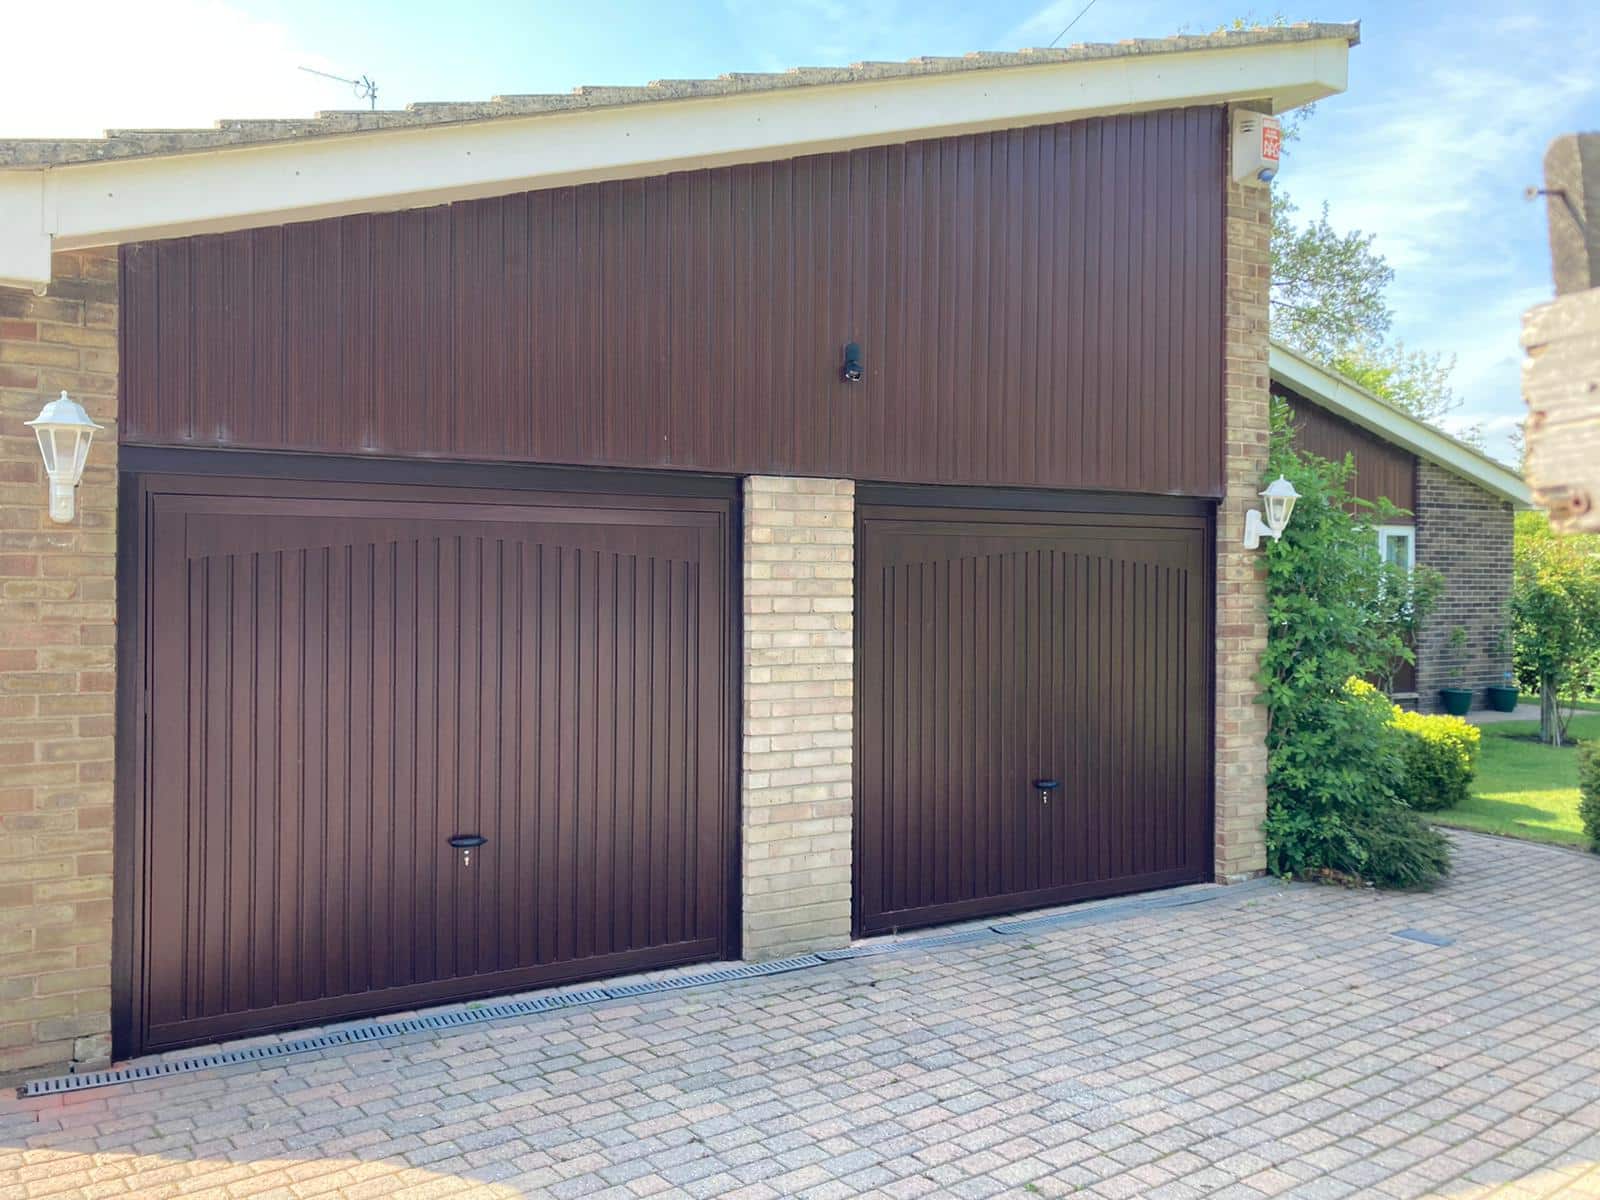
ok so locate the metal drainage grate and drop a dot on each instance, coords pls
(776, 966)
(371, 1031)
(1423, 936)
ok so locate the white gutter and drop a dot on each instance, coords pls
(1340, 396)
(238, 187)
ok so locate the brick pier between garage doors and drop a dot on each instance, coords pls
(547, 517)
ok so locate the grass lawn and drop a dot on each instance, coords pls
(1523, 788)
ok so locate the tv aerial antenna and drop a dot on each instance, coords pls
(364, 88)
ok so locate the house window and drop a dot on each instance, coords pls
(1397, 544)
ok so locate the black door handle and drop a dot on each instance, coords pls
(467, 841)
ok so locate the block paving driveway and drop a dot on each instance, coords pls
(1277, 1041)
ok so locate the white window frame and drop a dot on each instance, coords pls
(1385, 532)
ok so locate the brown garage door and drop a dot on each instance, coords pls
(343, 678)
(1001, 649)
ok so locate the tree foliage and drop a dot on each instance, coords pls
(1413, 380)
(1327, 287)
(1555, 618)
(1336, 614)
(1329, 299)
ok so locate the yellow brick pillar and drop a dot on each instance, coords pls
(1241, 755)
(798, 695)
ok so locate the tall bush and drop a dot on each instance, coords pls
(1335, 611)
(1589, 790)
(1555, 618)
(1440, 754)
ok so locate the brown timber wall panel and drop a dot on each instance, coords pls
(1039, 306)
(340, 684)
(997, 649)
(1383, 470)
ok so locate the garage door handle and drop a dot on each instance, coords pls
(1046, 786)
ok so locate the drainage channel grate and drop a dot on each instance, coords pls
(371, 1031)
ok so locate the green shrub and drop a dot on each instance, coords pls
(1440, 757)
(1398, 849)
(1589, 789)
(1335, 766)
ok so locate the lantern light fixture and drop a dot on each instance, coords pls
(64, 431)
(1278, 498)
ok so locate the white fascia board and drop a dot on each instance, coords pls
(240, 187)
(24, 243)
(1355, 404)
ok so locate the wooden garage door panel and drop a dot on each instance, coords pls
(1000, 650)
(333, 697)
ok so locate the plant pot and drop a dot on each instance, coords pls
(1457, 701)
(1503, 699)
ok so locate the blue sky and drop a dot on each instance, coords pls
(1449, 109)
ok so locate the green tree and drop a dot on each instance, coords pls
(1330, 300)
(1414, 380)
(1555, 618)
(1327, 287)
(1336, 613)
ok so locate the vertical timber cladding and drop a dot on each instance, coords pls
(343, 677)
(1004, 648)
(1036, 307)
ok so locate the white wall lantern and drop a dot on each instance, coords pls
(64, 431)
(1279, 499)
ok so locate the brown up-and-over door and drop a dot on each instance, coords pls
(998, 650)
(343, 678)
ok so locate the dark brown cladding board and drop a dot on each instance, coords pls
(1383, 470)
(1039, 306)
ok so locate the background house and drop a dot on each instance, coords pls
(1459, 505)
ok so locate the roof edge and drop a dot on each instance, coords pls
(34, 153)
(1344, 397)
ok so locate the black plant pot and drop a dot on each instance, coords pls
(1503, 699)
(1457, 701)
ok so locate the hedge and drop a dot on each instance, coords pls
(1589, 789)
(1440, 754)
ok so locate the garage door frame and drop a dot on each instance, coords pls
(145, 471)
(875, 498)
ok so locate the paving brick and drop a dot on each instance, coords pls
(1343, 1062)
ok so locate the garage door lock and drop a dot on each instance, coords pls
(1046, 786)
(467, 843)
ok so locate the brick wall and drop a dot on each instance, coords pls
(798, 705)
(57, 646)
(1464, 533)
(1241, 757)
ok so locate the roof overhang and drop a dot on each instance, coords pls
(1338, 395)
(74, 205)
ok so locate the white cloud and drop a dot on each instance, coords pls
(183, 64)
